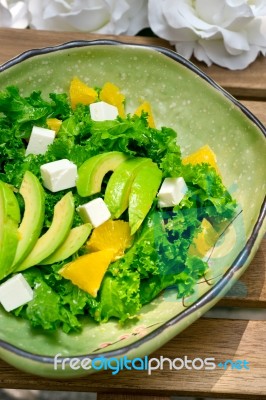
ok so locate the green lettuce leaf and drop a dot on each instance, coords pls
(119, 296)
(207, 193)
(158, 259)
(57, 303)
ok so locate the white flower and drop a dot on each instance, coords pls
(101, 16)
(230, 33)
(13, 14)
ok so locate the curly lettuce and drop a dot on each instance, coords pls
(159, 257)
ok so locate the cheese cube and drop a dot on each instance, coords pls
(40, 139)
(102, 111)
(95, 211)
(15, 292)
(172, 192)
(59, 175)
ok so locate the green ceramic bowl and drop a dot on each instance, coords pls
(201, 112)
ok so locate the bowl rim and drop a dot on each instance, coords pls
(236, 265)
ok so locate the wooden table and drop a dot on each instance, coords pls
(208, 337)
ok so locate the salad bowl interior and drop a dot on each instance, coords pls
(201, 113)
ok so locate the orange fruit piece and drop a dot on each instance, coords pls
(146, 107)
(87, 271)
(112, 235)
(54, 124)
(202, 155)
(79, 92)
(205, 239)
(111, 94)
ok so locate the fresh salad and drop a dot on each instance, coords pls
(99, 211)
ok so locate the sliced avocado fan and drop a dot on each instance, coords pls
(9, 220)
(93, 170)
(55, 235)
(142, 193)
(75, 239)
(33, 218)
(118, 187)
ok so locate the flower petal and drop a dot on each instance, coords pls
(180, 14)
(175, 30)
(19, 13)
(235, 42)
(102, 16)
(5, 15)
(185, 48)
(201, 54)
(256, 32)
(217, 53)
(227, 32)
(13, 14)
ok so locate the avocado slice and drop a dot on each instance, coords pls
(9, 220)
(118, 188)
(76, 238)
(10, 202)
(143, 191)
(56, 234)
(32, 221)
(93, 170)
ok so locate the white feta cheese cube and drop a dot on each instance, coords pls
(15, 292)
(59, 175)
(95, 211)
(102, 111)
(40, 139)
(172, 192)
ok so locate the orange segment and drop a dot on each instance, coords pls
(146, 107)
(54, 124)
(205, 240)
(202, 155)
(87, 271)
(111, 94)
(113, 235)
(79, 92)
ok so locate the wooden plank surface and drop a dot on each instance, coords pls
(16, 41)
(250, 290)
(258, 108)
(216, 338)
(249, 83)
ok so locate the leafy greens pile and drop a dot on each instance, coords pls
(159, 256)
